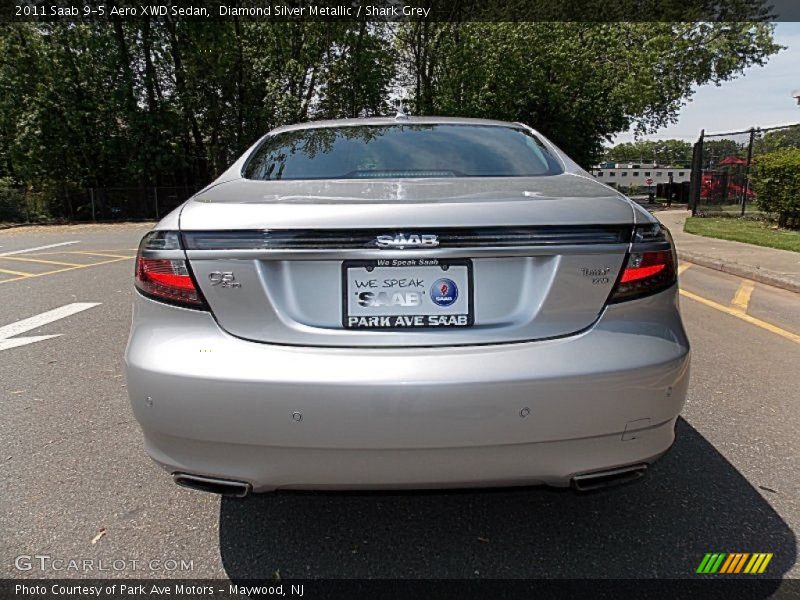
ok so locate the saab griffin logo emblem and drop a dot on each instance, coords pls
(401, 241)
(734, 563)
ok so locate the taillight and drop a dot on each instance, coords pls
(649, 267)
(166, 279)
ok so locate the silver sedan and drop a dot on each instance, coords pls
(406, 302)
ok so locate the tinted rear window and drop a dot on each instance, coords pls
(392, 151)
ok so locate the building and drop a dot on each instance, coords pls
(630, 175)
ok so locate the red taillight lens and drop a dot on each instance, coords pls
(645, 273)
(166, 279)
(645, 264)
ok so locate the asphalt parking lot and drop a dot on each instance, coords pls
(76, 482)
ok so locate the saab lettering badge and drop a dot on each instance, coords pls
(407, 293)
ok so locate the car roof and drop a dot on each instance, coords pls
(398, 120)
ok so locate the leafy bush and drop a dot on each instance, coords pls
(12, 207)
(775, 180)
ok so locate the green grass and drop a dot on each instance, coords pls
(760, 233)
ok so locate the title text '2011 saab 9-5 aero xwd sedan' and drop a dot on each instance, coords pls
(406, 302)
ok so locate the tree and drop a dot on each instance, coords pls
(776, 183)
(777, 139)
(167, 102)
(718, 149)
(358, 71)
(663, 152)
(578, 83)
(172, 102)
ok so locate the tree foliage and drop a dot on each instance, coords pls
(775, 180)
(663, 152)
(172, 102)
(777, 139)
(163, 102)
(578, 83)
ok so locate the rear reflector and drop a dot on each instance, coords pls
(645, 273)
(168, 280)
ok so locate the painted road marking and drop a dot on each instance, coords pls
(683, 266)
(39, 248)
(93, 250)
(97, 264)
(742, 297)
(18, 273)
(99, 254)
(735, 312)
(41, 260)
(24, 341)
(9, 331)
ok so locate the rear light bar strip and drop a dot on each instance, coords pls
(339, 239)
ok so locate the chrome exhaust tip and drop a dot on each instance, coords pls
(589, 482)
(225, 487)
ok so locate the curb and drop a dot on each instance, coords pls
(760, 275)
(16, 225)
(68, 223)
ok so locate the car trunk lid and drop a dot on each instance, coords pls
(290, 262)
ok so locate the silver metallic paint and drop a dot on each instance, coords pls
(427, 409)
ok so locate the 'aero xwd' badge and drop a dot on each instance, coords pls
(444, 292)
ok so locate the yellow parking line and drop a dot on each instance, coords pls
(97, 264)
(41, 260)
(20, 274)
(683, 266)
(114, 251)
(99, 254)
(735, 312)
(742, 297)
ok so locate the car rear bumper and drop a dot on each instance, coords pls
(290, 417)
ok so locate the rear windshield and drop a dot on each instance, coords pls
(392, 151)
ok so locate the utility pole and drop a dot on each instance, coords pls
(747, 168)
(697, 172)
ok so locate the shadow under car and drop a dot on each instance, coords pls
(693, 502)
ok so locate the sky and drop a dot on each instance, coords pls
(760, 97)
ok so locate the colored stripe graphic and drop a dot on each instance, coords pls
(765, 563)
(741, 562)
(731, 563)
(711, 562)
(758, 563)
(727, 564)
(734, 563)
(752, 563)
(703, 564)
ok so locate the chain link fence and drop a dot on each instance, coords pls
(67, 204)
(722, 169)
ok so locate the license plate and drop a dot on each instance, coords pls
(407, 293)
